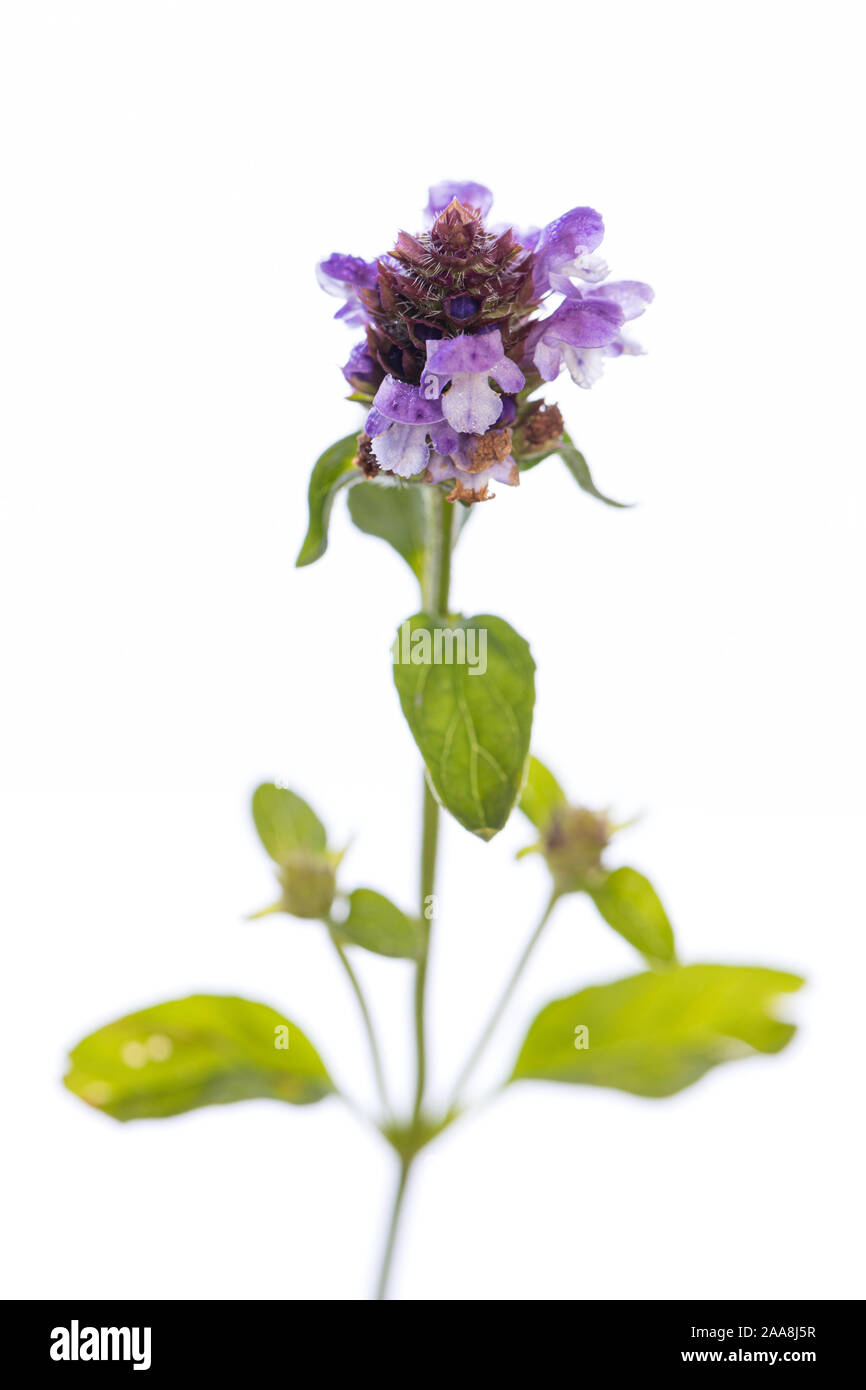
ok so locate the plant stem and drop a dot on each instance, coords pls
(436, 574)
(375, 1055)
(493, 1022)
(391, 1238)
(435, 584)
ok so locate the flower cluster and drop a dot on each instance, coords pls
(462, 323)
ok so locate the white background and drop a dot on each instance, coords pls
(171, 173)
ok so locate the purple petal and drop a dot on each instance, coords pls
(508, 375)
(399, 401)
(441, 468)
(360, 371)
(583, 323)
(632, 296)
(338, 274)
(468, 352)
(624, 347)
(352, 311)
(578, 231)
(445, 439)
(473, 195)
(505, 472)
(376, 422)
(548, 361)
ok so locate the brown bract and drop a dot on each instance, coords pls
(544, 426)
(461, 492)
(483, 450)
(365, 459)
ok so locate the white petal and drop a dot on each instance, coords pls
(586, 266)
(403, 449)
(471, 405)
(585, 364)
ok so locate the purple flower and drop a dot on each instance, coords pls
(632, 296)
(471, 405)
(565, 248)
(399, 423)
(456, 322)
(576, 325)
(473, 195)
(579, 334)
(361, 371)
(343, 276)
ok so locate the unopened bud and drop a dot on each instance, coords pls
(573, 844)
(309, 884)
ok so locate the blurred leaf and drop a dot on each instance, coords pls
(378, 925)
(286, 823)
(628, 902)
(656, 1033)
(471, 722)
(541, 794)
(579, 469)
(395, 513)
(525, 464)
(208, 1049)
(265, 911)
(332, 471)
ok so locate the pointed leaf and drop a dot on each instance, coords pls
(334, 470)
(395, 513)
(541, 794)
(471, 718)
(209, 1049)
(628, 902)
(656, 1033)
(579, 469)
(286, 823)
(378, 925)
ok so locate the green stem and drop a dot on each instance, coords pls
(393, 1226)
(375, 1054)
(493, 1022)
(435, 584)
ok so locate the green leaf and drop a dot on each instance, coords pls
(656, 1033)
(208, 1049)
(526, 464)
(628, 902)
(541, 794)
(378, 925)
(470, 718)
(579, 469)
(286, 823)
(333, 470)
(395, 513)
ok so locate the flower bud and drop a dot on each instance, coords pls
(573, 843)
(309, 883)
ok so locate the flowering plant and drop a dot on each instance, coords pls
(464, 325)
